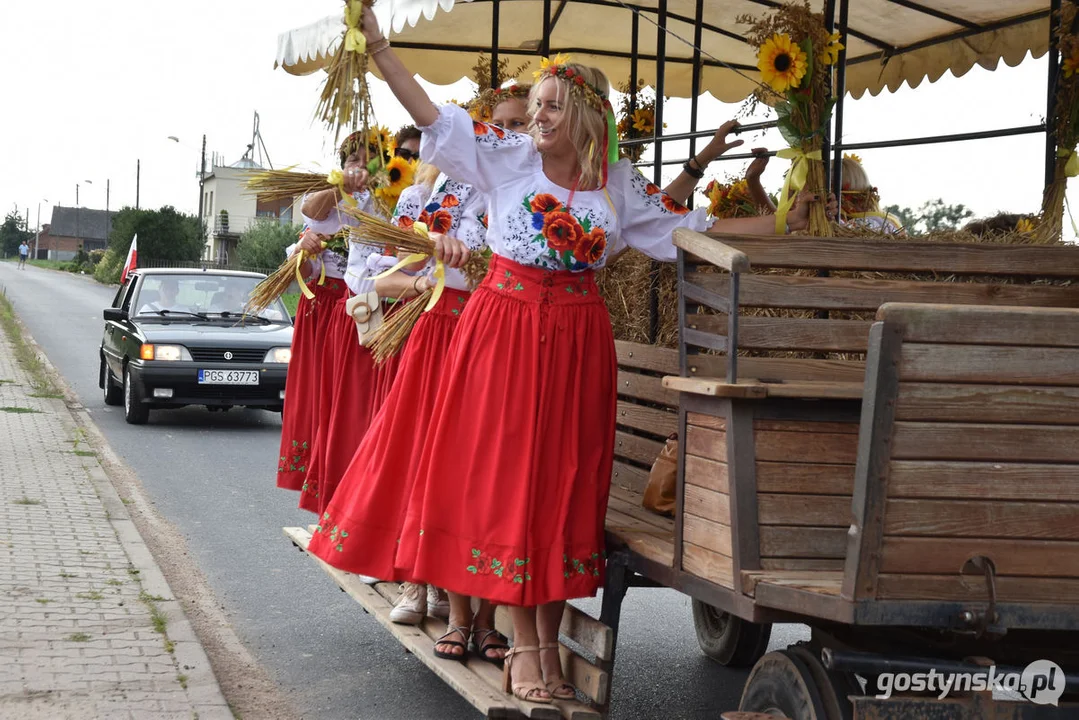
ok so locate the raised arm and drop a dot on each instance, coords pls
(404, 86)
(753, 181)
(693, 171)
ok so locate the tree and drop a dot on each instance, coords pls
(12, 234)
(932, 216)
(263, 244)
(164, 234)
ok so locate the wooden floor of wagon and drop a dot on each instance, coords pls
(479, 682)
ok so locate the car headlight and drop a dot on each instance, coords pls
(164, 352)
(278, 355)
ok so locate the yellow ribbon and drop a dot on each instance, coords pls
(1071, 168)
(796, 180)
(337, 179)
(440, 269)
(301, 258)
(354, 39)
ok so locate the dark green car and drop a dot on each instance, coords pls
(177, 337)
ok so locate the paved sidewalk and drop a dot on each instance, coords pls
(88, 625)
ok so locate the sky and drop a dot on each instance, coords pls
(91, 88)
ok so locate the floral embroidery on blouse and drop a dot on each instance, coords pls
(486, 564)
(655, 197)
(571, 241)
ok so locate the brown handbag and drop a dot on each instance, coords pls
(659, 494)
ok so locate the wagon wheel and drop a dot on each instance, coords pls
(782, 685)
(834, 687)
(728, 639)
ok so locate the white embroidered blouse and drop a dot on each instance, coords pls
(529, 220)
(452, 208)
(363, 261)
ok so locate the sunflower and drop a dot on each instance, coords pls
(782, 63)
(1071, 63)
(829, 54)
(559, 59)
(644, 121)
(400, 172)
(1025, 226)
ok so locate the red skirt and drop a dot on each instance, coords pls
(511, 491)
(359, 530)
(299, 416)
(351, 393)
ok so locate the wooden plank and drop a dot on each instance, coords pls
(646, 387)
(978, 325)
(802, 563)
(646, 419)
(954, 588)
(630, 504)
(707, 473)
(1039, 405)
(708, 504)
(984, 519)
(708, 565)
(826, 580)
(787, 333)
(711, 341)
(778, 369)
(589, 679)
(831, 448)
(803, 542)
(462, 677)
(1001, 481)
(651, 547)
(816, 390)
(810, 602)
(714, 387)
(646, 357)
(693, 293)
(623, 523)
(629, 477)
(993, 365)
(818, 478)
(909, 256)
(944, 556)
(707, 534)
(810, 510)
(809, 426)
(959, 441)
(706, 421)
(711, 250)
(589, 633)
(637, 448)
(868, 294)
(710, 444)
(745, 532)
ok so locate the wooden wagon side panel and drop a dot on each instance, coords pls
(707, 548)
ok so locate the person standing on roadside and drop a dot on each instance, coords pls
(24, 252)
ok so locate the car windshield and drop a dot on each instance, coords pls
(202, 294)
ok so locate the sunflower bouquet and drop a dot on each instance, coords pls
(1065, 124)
(795, 56)
(730, 200)
(636, 118)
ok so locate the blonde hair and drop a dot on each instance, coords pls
(856, 182)
(587, 128)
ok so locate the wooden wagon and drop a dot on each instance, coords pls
(878, 440)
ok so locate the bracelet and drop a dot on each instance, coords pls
(382, 44)
(691, 171)
(414, 288)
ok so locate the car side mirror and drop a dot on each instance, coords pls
(115, 314)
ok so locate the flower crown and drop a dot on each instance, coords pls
(482, 106)
(595, 97)
(852, 156)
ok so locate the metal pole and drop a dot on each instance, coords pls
(202, 177)
(494, 43)
(841, 92)
(826, 149)
(634, 47)
(1051, 93)
(138, 178)
(545, 43)
(695, 90)
(108, 219)
(37, 234)
(657, 174)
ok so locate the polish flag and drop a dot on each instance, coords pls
(132, 259)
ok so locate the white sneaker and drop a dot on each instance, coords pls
(411, 606)
(438, 604)
(368, 580)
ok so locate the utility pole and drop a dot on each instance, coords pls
(138, 173)
(202, 174)
(108, 218)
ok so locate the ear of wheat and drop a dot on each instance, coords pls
(390, 337)
(283, 184)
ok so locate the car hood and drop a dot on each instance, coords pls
(217, 334)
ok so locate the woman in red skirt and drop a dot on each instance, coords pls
(352, 385)
(361, 528)
(516, 468)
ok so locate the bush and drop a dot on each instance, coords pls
(95, 257)
(263, 244)
(108, 270)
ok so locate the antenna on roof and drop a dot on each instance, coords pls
(258, 144)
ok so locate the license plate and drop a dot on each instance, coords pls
(228, 377)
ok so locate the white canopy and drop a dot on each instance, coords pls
(889, 42)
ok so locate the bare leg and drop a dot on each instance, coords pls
(487, 642)
(548, 619)
(460, 616)
(525, 667)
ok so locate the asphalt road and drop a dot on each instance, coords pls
(212, 475)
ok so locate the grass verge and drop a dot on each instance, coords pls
(25, 355)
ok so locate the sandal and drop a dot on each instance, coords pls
(501, 642)
(523, 690)
(463, 632)
(560, 689)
